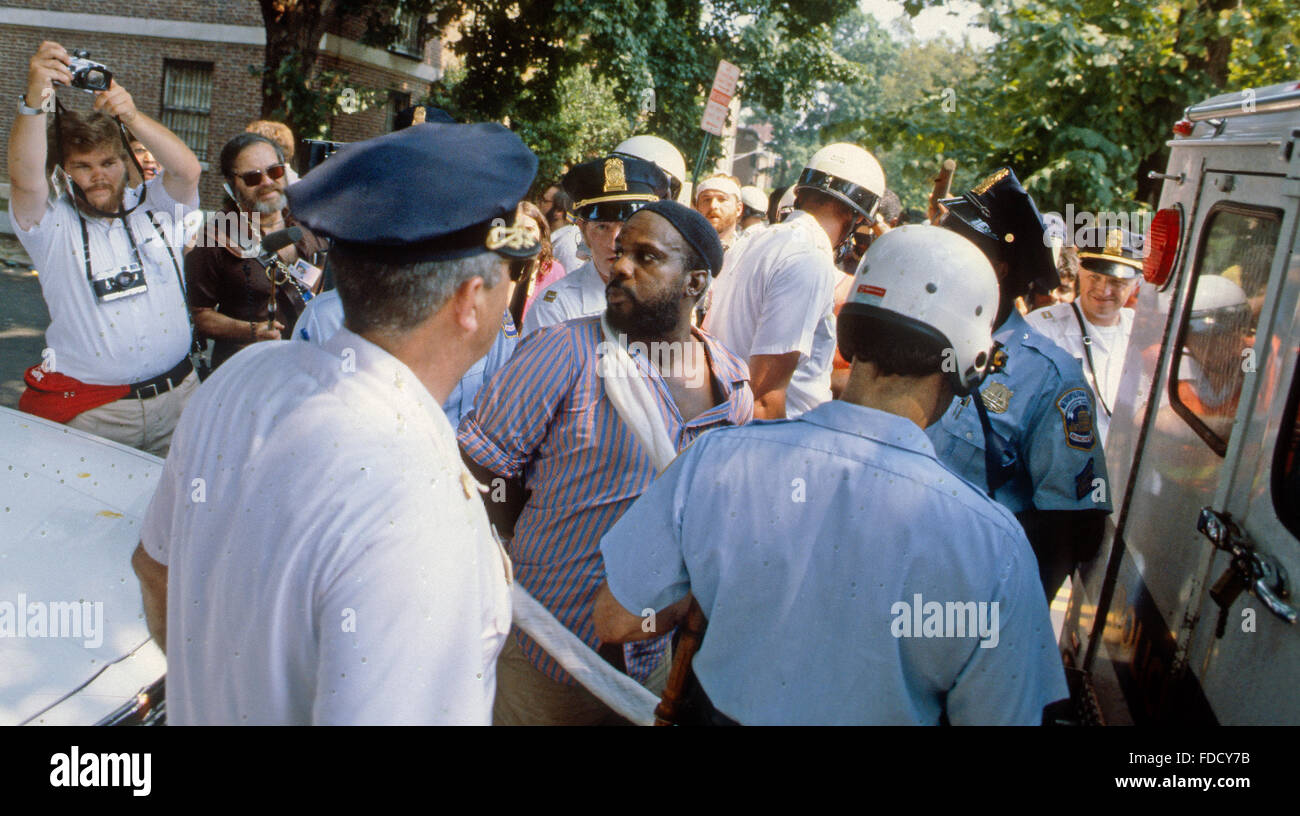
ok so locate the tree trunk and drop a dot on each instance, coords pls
(293, 32)
(1210, 57)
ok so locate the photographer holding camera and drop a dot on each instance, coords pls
(117, 358)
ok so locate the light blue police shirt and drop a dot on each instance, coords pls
(324, 316)
(1042, 408)
(815, 547)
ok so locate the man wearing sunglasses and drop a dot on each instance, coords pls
(229, 288)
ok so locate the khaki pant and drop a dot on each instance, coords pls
(146, 424)
(525, 696)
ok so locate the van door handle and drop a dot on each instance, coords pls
(1263, 576)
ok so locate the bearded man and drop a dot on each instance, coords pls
(553, 431)
(229, 288)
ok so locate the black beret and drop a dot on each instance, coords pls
(1114, 252)
(695, 228)
(612, 188)
(1000, 217)
(429, 192)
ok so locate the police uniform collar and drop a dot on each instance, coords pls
(870, 423)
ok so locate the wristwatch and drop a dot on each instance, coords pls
(24, 109)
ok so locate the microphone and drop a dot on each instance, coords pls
(276, 241)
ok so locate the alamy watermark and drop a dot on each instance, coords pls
(673, 359)
(953, 619)
(55, 619)
(1077, 227)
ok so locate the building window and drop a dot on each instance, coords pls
(397, 102)
(187, 102)
(409, 42)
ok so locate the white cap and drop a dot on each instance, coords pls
(753, 198)
(720, 183)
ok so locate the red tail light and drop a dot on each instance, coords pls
(1184, 127)
(1162, 245)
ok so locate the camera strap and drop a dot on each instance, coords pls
(85, 245)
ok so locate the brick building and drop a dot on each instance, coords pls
(186, 63)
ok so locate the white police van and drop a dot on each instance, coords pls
(1188, 614)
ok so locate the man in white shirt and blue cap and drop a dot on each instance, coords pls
(316, 552)
(1095, 327)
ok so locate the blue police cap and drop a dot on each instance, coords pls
(429, 192)
(613, 188)
(999, 215)
(1114, 252)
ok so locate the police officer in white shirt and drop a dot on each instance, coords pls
(821, 605)
(316, 551)
(117, 358)
(1095, 327)
(773, 304)
(606, 192)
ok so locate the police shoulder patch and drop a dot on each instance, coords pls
(508, 325)
(1077, 418)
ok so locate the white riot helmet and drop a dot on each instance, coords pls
(662, 153)
(932, 284)
(848, 173)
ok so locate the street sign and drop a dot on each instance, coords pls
(724, 88)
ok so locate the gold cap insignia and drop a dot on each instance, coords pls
(615, 179)
(417, 117)
(983, 186)
(997, 397)
(515, 236)
(1114, 242)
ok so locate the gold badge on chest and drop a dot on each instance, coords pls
(996, 397)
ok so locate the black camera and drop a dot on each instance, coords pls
(318, 150)
(87, 74)
(125, 282)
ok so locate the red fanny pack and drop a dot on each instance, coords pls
(57, 397)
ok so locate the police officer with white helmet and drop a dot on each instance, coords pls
(1030, 437)
(850, 573)
(774, 304)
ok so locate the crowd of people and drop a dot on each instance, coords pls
(866, 452)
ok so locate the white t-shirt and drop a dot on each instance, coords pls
(777, 296)
(122, 341)
(580, 293)
(329, 557)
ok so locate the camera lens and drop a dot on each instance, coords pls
(123, 279)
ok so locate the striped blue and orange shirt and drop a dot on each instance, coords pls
(545, 418)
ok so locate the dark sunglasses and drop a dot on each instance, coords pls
(254, 177)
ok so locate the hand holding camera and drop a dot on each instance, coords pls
(48, 65)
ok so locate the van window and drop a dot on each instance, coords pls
(1217, 334)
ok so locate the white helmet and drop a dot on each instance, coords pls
(932, 283)
(785, 205)
(847, 172)
(754, 198)
(662, 153)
